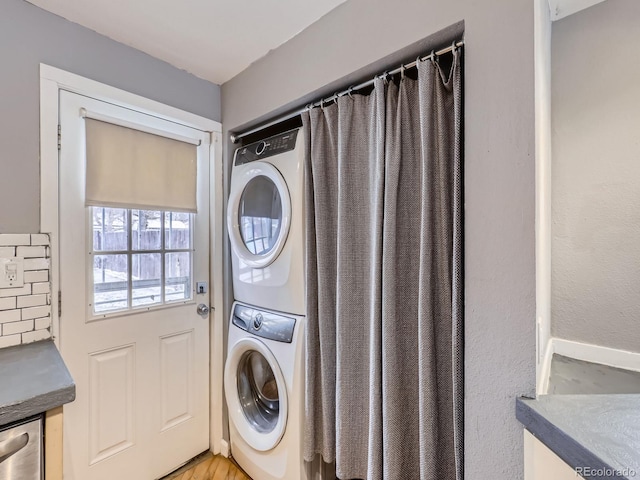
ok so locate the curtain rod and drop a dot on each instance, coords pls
(236, 137)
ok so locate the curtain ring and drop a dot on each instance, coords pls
(434, 58)
(402, 72)
(322, 104)
(349, 92)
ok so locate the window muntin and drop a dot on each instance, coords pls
(142, 259)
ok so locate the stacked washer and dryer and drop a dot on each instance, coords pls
(264, 370)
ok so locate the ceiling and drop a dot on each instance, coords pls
(212, 39)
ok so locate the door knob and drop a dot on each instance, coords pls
(202, 310)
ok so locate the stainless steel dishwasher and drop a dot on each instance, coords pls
(21, 450)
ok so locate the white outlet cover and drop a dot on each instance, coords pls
(11, 272)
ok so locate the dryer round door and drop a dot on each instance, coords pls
(256, 394)
(259, 214)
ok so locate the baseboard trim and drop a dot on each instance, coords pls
(564, 8)
(597, 354)
(545, 365)
(224, 448)
(586, 352)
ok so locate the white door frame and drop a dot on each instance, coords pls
(52, 80)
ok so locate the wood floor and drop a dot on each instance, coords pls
(209, 467)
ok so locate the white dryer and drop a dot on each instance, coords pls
(264, 388)
(265, 218)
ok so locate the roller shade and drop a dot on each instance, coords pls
(134, 169)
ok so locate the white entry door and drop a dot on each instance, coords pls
(130, 332)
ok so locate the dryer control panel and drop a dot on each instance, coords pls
(283, 142)
(264, 324)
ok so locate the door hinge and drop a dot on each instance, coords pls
(59, 137)
(59, 303)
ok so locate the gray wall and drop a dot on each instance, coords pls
(499, 180)
(28, 36)
(596, 176)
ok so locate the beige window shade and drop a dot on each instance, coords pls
(134, 169)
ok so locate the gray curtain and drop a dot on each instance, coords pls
(384, 388)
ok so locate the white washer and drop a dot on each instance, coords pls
(264, 387)
(265, 218)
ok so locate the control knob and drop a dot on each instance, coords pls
(262, 146)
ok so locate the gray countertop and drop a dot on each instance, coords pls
(595, 431)
(33, 379)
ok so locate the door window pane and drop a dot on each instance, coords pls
(146, 230)
(145, 279)
(141, 258)
(109, 227)
(177, 276)
(260, 215)
(110, 284)
(177, 230)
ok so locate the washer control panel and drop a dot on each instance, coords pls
(283, 142)
(264, 324)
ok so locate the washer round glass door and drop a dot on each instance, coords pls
(259, 214)
(256, 394)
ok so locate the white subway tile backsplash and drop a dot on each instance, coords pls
(10, 316)
(39, 239)
(31, 301)
(36, 264)
(17, 327)
(8, 303)
(42, 323)
(35, 336)
(44, 287)
(10, 340)
(36, 276)
(25, 312)
(31, 252)
(9, 239)
(35, 312)
(12, 292)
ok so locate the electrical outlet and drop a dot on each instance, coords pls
(11, 272)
